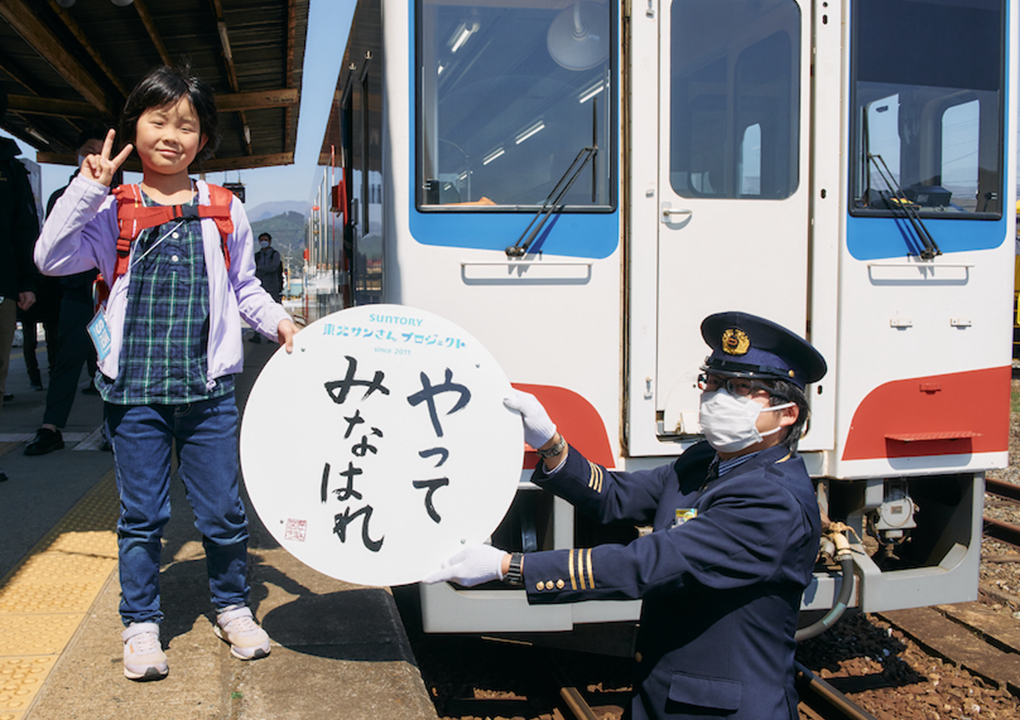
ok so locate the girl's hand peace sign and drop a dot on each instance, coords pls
(100, 167)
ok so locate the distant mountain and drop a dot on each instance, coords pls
(288, 232)
(269, 209)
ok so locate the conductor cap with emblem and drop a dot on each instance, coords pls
(745, 345)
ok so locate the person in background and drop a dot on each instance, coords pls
(188, 286)
(76, 310)
(45, 311)
(269, 271)
(19, 228)
(736, 529)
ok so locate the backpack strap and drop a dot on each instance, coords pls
(129, 222)
(133, 217)
(219, 210)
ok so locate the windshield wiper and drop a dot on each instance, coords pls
(552, 202)
(899, 199)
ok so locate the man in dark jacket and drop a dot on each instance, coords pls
(736, 528)
(269, 271)
(269, 267)
(19, 228)
(76, 350)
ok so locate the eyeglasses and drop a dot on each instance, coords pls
(739, 386)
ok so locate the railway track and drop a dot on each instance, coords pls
(821, 701)
(1002, 531)
(537, 684)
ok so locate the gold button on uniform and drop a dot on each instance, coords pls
(560, 584)
(540, 586)
(637, 657)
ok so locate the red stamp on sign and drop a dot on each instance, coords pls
(295, 530)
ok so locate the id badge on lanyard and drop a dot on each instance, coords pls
(99, 331)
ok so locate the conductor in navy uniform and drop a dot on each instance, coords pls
(736, 528)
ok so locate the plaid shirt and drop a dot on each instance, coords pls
(165, 350)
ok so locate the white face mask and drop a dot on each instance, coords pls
(729, 422)
(263, 244)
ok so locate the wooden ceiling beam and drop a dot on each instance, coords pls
(150, 27)
(42, 106)
(245, 163)
(42, 39)
(231, 102)
(75, 29)
(257, 100)
(290, 71)
(16, 73)
(214, 165)
(228, 60)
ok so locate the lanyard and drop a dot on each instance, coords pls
(155, 244)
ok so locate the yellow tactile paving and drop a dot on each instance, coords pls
(36, 633)
(20, 679)
(44, 599)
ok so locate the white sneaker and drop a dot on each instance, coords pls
(236, 626)
(143, 656)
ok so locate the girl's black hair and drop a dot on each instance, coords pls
(164, 86)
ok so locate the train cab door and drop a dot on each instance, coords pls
(732, 180)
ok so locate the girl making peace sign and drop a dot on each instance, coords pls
(174, 345)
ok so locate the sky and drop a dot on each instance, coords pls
(329, 22)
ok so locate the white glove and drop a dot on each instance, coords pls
(538, 426)
(473, 565)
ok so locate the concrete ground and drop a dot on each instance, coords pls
(338, 650)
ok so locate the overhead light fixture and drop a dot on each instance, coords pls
(529, 131)
(122, 3)
(498, 152)
(591, 92)
(440, 70)
(461, 34)
(35, 133)
(65, 3)
(578, 38)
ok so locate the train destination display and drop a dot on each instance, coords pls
(381, 445)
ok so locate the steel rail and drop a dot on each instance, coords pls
(570, 694)
(826, 700)
(1002, 489)
(1002, 531)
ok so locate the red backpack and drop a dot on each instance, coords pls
(133, 217)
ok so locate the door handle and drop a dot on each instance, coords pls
(668, 213)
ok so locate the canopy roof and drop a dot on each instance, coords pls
(68, 68)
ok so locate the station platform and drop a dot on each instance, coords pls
(338, 650)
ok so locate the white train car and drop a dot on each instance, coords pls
(579, 182)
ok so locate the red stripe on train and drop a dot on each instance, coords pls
(954, 414)
(576, 419)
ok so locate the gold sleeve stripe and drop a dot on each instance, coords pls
(591, 575)
(595, 477)
(570, 570)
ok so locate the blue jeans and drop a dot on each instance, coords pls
(206, 438)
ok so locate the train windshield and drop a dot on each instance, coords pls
(516, 104)
(735, 99)
(927, 129)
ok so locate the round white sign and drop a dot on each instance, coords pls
(381, 445)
